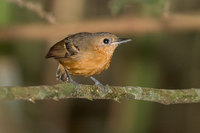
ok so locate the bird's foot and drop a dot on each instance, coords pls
(70, 80)
(77, 85)
(97, 83)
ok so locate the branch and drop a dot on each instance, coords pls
(35, 7)
(123, 25)
(61, 91)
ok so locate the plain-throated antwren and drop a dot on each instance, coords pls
(84, 54)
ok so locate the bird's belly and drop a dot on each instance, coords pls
(87, 65)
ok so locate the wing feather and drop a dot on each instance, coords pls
(63, 49)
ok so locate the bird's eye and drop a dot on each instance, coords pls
(106, 41)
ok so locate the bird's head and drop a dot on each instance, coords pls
(106, 42)
(106, 39)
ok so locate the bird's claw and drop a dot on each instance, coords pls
(97, 83)
(102, 87)
(77, 85)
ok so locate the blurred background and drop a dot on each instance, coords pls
(164, 53)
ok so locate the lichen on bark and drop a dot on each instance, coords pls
(90, 92)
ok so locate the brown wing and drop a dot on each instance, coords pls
(62, 49)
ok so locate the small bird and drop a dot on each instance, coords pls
(84, 54)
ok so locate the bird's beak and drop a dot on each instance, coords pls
(121, 40)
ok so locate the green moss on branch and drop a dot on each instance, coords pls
(61, 91)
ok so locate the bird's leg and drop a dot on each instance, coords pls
(98, 84)
(71, 80)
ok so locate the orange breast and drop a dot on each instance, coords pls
(89, 63)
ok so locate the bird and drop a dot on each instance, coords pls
(84, 54)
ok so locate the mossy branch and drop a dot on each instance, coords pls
(61, 91)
